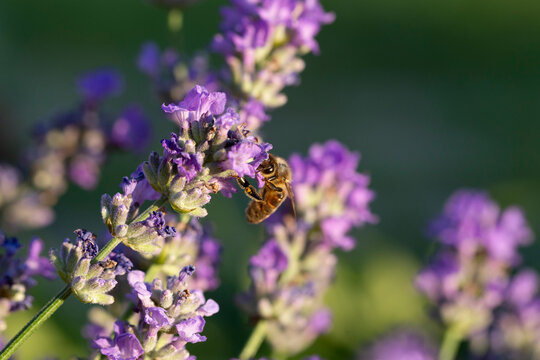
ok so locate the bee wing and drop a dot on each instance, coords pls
(291, 196)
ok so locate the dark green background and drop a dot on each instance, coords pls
(436, 96)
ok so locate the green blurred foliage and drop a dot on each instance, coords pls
(436, 96)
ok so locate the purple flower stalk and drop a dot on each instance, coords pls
(262, 41)
(515, 330)
(210, 151)
(191, 244)
(404, 345)
(174, 75)
(72, 147)
(165, 319)
(90, 282)
(17, 274)
(466, 280)
(100, 84)
(119, 213)
(294, 268)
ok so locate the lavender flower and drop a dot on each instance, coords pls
(295, 267)
(515, 331)
(211, 149)
(10, 179)
(174, 75)
(191, 244)
(100, 84)
(90, 282)
(73, 146)
(118, 213)
(17, 274)
(164, 321)
(330, 193)
(466, 281)
(262, 42)
(403, 345)
(131, 130)
(27, 210)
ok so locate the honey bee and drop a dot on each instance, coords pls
(277, 187)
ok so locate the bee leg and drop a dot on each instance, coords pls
(274, 187)
(249, 189)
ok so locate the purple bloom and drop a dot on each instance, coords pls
(124, 346)
(149, 59)
(262, 42)
(10, 179)
(211, 149)
(189, 329)
(245, 157)
(293, 270)
(131, 131)
(36, 264)
(515, 331)
(523, 288)
(156, 221)
(17, 274)
(138, 187)
(402, 346)
(121, 262)
(470, 275)
(253, 114)
(173, 75)
(28, 211)
(471, 220)
(309, 23)
(84, 171)
(90, 281)
(197, 104)
(267, 265)
(440, 278)
(99, 84)
(157, 317)
(329, 190)
(171, 315)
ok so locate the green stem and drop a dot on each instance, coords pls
(45, 313)
(255, 340)
(449, 348)
(50, 308)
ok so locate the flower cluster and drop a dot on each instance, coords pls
(403, 345)
(172, 74)
(211, 149)
(72, 147)
(468, 279)
(331, 194)
(515, 332)
(119, 212)
(191, 244)
(293, 270)
(89, 280)
(17, 274)
(165, 318)
(262, 42)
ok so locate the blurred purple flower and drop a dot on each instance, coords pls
(470, 274)
(171, 317)
(131, 131)
(100, 84)
(402, 346)
(17, 274)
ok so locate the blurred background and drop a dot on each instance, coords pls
(436, 96)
